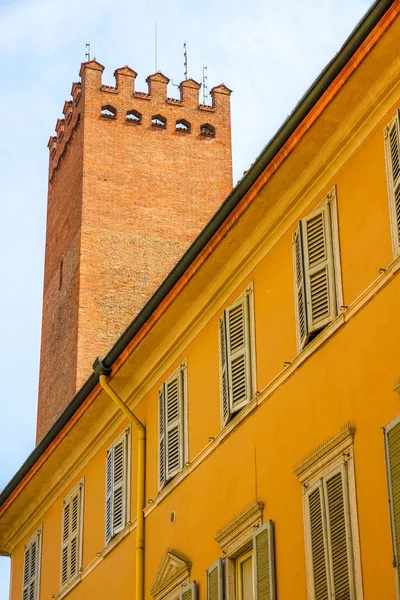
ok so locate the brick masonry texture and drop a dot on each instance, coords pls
(125, 201)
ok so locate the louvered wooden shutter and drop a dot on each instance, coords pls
(116, 491)
(264, 562)
(238, 350)
(215, 588)
(71, 532)
(316, 235)
(109, 493)
(119, 482)
(300, 296)
(161, 436)
(393, 152)
(339, 534)
(392, 438)
(30, 584)
(173, 394)
(188, 592)
(319, 555)
(223, 357)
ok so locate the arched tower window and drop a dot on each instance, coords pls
(183, 125)
(133, 116)
(207, 130)
(159, 121)
(109, 112)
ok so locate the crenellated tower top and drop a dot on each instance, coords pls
(152, 109)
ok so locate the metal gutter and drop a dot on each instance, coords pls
(307, 102)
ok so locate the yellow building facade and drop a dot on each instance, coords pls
(264, 376)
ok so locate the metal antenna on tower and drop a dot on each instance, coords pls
(185, 68)
(205, 85)
(87, 54)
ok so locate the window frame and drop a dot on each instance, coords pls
(239, 576)
(78, 488)
(330, 201)
(394, 225)
(249, 293)
(126, 434)
(37, 536)
(181, 369)
(336, 454)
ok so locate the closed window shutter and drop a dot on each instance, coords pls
(264, 562)
(316, 235)
(188, 592)
(173, 393)
(70, 553)
(109, 494)
(116, 486)
(226, 413)
(30, 585)
(300, 295)
(338, 530)
(161, 438)
(393, 146)
(319, 556)
(238, 350)
(119, 482)
(215, 589)
(392, 436)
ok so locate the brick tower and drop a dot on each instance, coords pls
(133, 179)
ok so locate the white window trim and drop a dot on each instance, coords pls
(236, 539)
(126, 433)
(38, 535)
(331, 200)
(392, 209)
(249, 291)
(181, 368)
(80, 485)
(338, 452)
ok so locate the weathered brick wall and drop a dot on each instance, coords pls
(146, 193)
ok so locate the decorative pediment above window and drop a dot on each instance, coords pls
(173, 573)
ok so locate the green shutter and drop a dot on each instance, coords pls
(30, 579)
(392, 437)
(264, 562)
(238, 353)
(161, 437)
(173, 401)
(188, 592)
(215, 587)
(71, 534)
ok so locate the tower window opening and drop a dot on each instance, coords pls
(183, 125)
(159, 121)
(109, 112)
(133, 116)
(207, 130)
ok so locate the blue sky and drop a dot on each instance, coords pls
(267, 52)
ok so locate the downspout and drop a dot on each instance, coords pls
(102, 371)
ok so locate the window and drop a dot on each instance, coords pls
(330, 514)
(392, 151)
(236, 346)
(71, 550)
(183, 126)
(31, 573)
(108, 112)
(117, 485)
(318, 293)
(207, 130)
(133, 116)
(172, 581)
(159, 121)
(253, 564)
(172, 425)
(392, 446)
(244, 577)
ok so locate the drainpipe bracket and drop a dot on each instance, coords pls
(100, 368)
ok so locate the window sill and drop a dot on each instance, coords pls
(68, 588)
